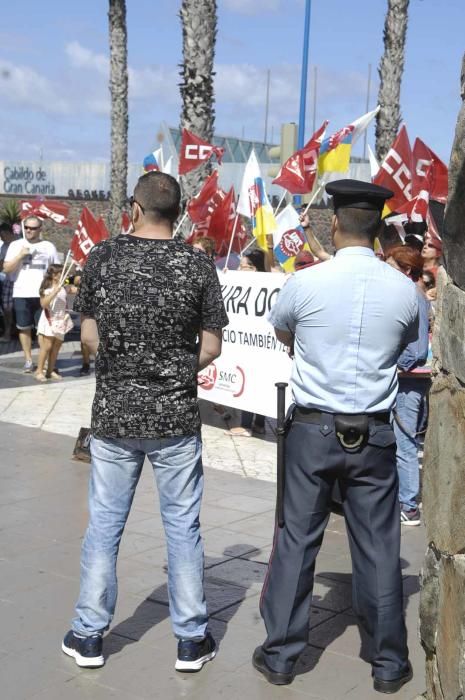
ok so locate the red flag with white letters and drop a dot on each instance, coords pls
(430, 172)
(298, 173)
(200, 206)
(194, 151)
(45, 209)
(396, 171)
(87, 234)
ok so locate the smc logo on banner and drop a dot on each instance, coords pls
(231, 380)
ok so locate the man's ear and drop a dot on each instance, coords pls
(333, 227)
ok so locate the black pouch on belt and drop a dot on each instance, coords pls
(351, 431)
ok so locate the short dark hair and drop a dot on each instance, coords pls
(159, 195)
(257, 258)
(359, 223)
(5, 227)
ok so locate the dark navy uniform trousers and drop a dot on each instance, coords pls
(369, 488)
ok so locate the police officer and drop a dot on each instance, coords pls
(348, 320)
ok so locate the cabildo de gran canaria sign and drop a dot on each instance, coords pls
(26, 180)
(59, 179)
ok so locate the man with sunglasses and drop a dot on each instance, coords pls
(26, 262)
(153, 312)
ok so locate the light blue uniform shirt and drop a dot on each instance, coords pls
(352, 316)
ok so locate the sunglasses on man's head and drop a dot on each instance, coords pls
(133, 201)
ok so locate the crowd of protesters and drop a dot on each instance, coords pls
(36, 302)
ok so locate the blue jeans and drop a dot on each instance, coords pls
(408, 407)
(116, 468)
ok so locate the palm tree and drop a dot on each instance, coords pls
(119, 112)
(199, 20)
(391, 68)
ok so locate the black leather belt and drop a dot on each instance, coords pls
(313, 415)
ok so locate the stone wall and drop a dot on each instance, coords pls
(442, 606)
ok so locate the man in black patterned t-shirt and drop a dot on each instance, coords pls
(152, 310)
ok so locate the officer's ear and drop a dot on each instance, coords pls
(333, 227)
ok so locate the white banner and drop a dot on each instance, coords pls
(252, 359)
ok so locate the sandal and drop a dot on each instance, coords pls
(55, 376)
(238, 432)
(40, 377)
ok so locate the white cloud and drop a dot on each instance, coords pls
(144, 83)
(81, 57)
(23, 86)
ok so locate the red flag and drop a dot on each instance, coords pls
(103, 229)
(430, 172)
(298, 173)
(88, 233)
(222, 221)
(417, 208)
(45, 209)
(194, 151)
(198, 208)
(125, 222)
(396, 171)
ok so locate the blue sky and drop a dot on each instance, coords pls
(54, 67)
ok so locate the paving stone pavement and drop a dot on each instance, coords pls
(43, 513)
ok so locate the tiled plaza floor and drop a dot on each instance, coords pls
(43, 512)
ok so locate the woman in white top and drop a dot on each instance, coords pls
(54, 322)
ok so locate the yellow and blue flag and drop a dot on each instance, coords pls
(254, 202)
(335, 152)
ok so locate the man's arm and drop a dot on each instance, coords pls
(89, 333)
(209, 346)
(284, 337)
(12, 265)
(315, 245)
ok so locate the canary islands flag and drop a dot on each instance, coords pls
(335, 152)
(254, 203)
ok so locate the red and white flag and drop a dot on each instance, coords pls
(397, 170)
(201, 206)
(88, 233)
(45, 209)
(194, 151)
(299, 172)
(430, 172)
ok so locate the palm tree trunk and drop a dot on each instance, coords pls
(390, 74)
(119, 113)
(199, 28)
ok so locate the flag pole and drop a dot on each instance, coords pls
(248, 245)
(62, 276)
(183, 218)
(231, 242)
(280, 202)
(312, 199)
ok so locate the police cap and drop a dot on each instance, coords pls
(355, 194)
